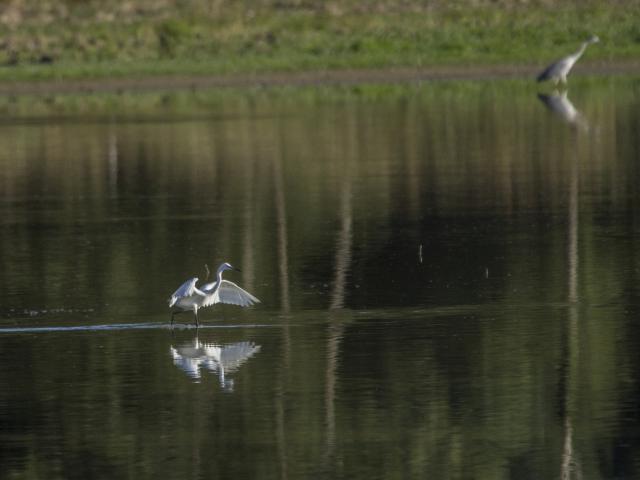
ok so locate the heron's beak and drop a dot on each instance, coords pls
(237, 269)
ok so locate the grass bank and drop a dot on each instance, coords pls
(80, 39)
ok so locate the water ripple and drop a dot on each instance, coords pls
(121, 326)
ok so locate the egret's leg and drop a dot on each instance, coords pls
(174, 313)
(195, 314)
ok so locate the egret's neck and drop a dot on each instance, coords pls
(219, 275)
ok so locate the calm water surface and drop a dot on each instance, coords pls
(449, 276)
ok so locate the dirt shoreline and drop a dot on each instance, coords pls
(306, 78)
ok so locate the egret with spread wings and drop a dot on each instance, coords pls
(191, 298)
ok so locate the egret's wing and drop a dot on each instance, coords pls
(207, 287)
(229, 292)
(187, 289)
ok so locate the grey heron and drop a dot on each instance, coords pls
(191, 298)
(558, 71)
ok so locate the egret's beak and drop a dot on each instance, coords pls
(237, 269)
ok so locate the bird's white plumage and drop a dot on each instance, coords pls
(229, 292)
(187, 289)
(188, 297)
(208, 287)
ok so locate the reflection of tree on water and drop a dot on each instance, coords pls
(223, 359)
(336, 326)
(281, 216)
(343, 248)
(285, 305)
(342, 267)
(570, 463)
(112, 155)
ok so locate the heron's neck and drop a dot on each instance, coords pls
(581, 50)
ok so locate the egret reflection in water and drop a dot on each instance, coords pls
(561, 106)
(223, 359)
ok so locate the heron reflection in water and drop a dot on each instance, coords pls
(560, 105)
(222, 359)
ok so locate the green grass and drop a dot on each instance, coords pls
(186, 41)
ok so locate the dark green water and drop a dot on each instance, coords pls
(448, 275)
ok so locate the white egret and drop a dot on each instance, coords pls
(558, 71)
(191, 298)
